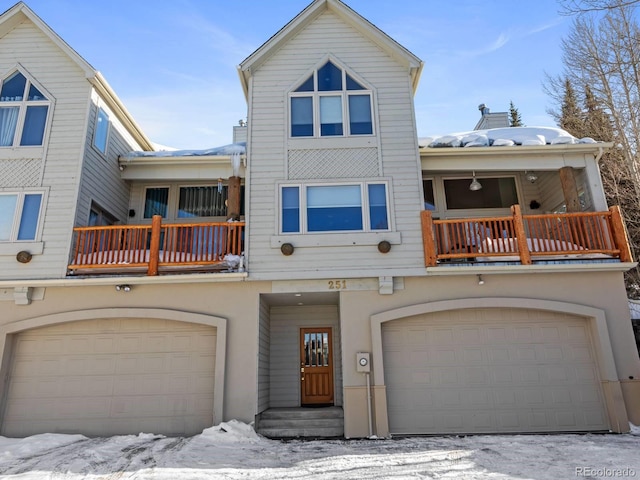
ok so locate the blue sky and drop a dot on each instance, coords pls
(173, 64)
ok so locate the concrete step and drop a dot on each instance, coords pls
(302, 413)
(295, 423)
(302, 433)
(301, 422)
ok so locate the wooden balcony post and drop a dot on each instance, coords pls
(154, 249)
(233, 198)
(570, 190)
(620, 234)
(428, 240)
(521, 235)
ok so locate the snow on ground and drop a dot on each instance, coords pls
(232, 450)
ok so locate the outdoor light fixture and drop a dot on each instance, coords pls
(475, 185)
(480, 280)
(530, 176)
(123, 288)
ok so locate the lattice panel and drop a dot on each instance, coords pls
(333, 163)
(20, 172)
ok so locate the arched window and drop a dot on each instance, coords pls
(23, 112)
(330, 102)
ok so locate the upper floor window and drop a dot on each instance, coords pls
(19, 216)
(331, 102)
(101, 134)
(332, 208)
(23, 112)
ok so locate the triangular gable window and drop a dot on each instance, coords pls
(323, 105)
(23, 112)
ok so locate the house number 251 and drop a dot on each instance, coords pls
(337, 284)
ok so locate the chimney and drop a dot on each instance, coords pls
(484, 110)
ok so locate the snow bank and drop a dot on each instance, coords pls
(24, 447)
(232, 431)
(500, 137)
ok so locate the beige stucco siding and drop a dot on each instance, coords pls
(269, 149)
(59, 174)
(598, 291)
(491, 370)
(236, 303)
(112, 376)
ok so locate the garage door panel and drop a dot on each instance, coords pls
(494, 370)
(113, 376)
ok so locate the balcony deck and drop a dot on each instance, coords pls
(157, 248)
(526, 239)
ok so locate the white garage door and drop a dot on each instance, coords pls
(491, 370)
(112, 376)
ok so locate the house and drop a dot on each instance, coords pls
(327, 258)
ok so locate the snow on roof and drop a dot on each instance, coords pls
(504, 137)
(226, 150)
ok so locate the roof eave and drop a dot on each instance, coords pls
(109, 96)
(368, 29)
(90, 73)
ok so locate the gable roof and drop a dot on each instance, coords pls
(349, 16)
(21, 12)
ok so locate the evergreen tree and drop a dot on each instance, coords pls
(571, 117)
(515, 120)
(617, 179)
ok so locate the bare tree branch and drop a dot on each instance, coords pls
(577, 7)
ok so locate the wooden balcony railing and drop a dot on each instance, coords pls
(524, 238)
(153, 247)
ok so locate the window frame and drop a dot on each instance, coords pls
(173, 202)
(103, 216)
(97, 131)
(480, 178)
(144, 201)
(365, 207)
(344, 94)
(23, 106)
(442, 210)
(16, 223)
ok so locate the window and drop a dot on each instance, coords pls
(429, 197)
(189, 201)
(333, 208)
(331, 103)
(19, 216)
(100, 217)
(156, 201)
(495, 193)
(206, 201)
(101, 135)
(23, 112)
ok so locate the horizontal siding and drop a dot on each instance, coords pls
(264, 346)
(396, 130)
(65, 82)
(101, 182)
